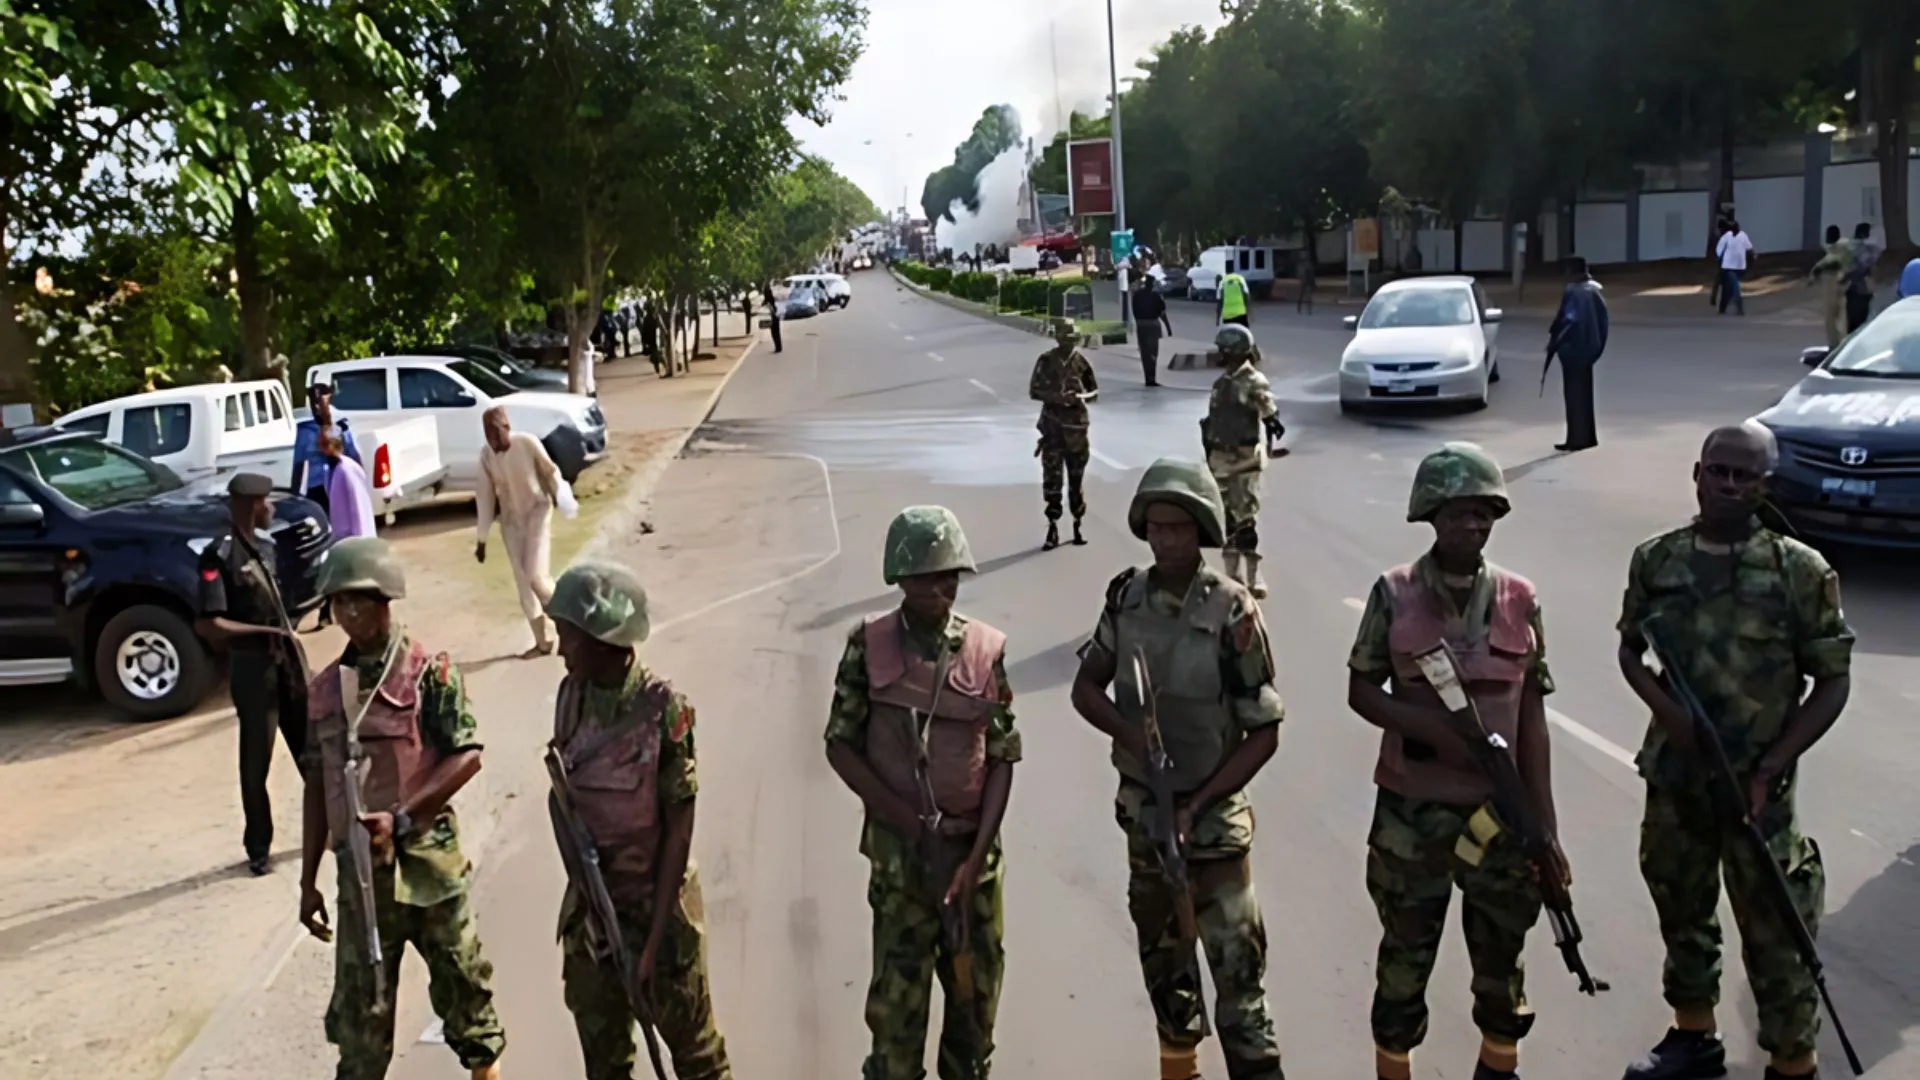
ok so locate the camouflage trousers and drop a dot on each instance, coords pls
(682, 1005)
(1063, 462)
(1232, 934)
(909, 951)
(1412, 870)
(1238, 470)
(457, 980)
(1684, 851)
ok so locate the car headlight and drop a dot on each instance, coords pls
(1350, 365)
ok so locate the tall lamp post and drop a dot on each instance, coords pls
(1119, 177)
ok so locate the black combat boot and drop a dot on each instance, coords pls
(1053, 536)
(1775, 1074)
(1682, 1055)
(1484, 1071)
(1078, 539)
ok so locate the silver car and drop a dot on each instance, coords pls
(1429, 339)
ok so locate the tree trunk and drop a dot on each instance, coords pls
(256, 296)
(16, 352)
(716, 322)
(1890, 68)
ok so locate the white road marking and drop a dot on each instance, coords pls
(436, 1033)
(995, 394)
(1867, 838)
(285, 956)
(1355, 603)
(908, 337)
(1105, 460)
(936, 358)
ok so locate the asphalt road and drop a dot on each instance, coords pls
(767, 548)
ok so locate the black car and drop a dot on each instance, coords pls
(1173, 281)
(1850, 437)
(99, 569)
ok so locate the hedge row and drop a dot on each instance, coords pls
(1034, 295)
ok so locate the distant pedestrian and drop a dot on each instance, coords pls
(1909, 280)
(1829, 273)
(1733, 249)
(1149, 320)
(522, 483)
(349, 499)
(310, 468)
(773, 315)
(1578, 337)
(1307, 271)
(1719, 232)
(1859, 276)
(1232, 305)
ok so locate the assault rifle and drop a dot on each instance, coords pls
(1166, 824)
(1514, 809)
(582, 861)
(943, 854)
(1732, 802)
(359, 842)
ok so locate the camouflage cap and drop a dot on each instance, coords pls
(361, 564)
(1233, 339)
(1458, 470)
(604, 599)
(1188, 485)
(925, 540)
(1064, 329)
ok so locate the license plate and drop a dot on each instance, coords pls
(1842, 485)
(1399, 386)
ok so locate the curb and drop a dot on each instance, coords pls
(1025, 323)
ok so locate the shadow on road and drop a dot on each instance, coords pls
(1047, 669)
(880, 601)
(1871, 941)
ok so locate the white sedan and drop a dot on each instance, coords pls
(1427, 339)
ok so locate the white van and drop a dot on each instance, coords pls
(832, 286)
(1256, 264)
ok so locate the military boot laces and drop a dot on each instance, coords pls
(1079, 540)
(1682, 1055)
(1053, 537)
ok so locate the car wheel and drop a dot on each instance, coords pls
(149, 665)
(568, 451)
(1348, 408)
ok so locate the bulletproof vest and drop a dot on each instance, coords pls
(393, 759)
(901, 696)
(1232, 418)
(616, 781)
(1183, 662)
(1493, 668)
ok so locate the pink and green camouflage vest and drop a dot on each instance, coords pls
(396, 760)
(616, 781)
(901, 685)
(1493, 666)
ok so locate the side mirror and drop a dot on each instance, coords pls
(1492, 315)
(1815, 356)
(22, 514)
(1351, 322)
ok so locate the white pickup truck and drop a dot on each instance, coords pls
(217, 429)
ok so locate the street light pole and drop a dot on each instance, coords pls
(1119, 178)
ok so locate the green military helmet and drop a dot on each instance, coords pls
(1188, 485)
(1458, 470)
(604, 599)
(362, 564)
(925, 540)
(1064, 331)
(1232, 339)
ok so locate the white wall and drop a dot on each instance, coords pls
(1481, 244)
(1600, 232)
(1330, 247)
(1773, 211)
(1850, 194)
(1436, 251)
(1673, 224)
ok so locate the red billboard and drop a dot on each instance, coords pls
(1090, 177)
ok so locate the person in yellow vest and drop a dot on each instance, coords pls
(1232, 305)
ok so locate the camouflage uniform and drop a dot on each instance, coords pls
(1748, 622)
(1206, 705)
(1833, 264)
(1240, 405)
(909, 950)
(1059, 377)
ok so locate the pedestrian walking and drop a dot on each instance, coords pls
(521, 485)
(1829, 274)
(1308, 272)
(241, 608)
(1063, 383)
(1749, 618)
(1232, 305)
(1733, 248)
(393, 717)
(1432, 832)
(922, 729)
(1578, 337)
(310, 467)
(773, 315)
(1239, 409)
(1719, 276)
(1858, 277)
(1150, 321)
(349, 500)
(1198, 638)
(625, 738)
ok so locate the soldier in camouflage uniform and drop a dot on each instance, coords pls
(1751, 617)
(413, 732)
(1433, 825)
(922, 713)
(1240, 406)
(627, 739)
(1219, 713)
(1063, 383)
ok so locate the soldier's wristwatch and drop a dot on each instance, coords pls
(402, 824)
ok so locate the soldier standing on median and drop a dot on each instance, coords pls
(1063, 383)
(1219, 713)
(1433, 827)
(1752, 617)
(406, 721)
(921, 728)
(627, 739)
(1240, 406)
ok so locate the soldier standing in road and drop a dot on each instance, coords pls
(1827, 273)
(1433, 829)
(408, 723)
(1752, 617)
(1219, 713)
(1063, 383)
(627, 737)
(240, 605)
(1240, 407)
(921, 728)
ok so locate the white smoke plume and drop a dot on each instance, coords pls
(998, 220)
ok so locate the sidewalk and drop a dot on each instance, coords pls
(134, 944)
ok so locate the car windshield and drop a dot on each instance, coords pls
(800, 296)
(1405, 308)
(482, 376)
(1886, 348)
(95, 475)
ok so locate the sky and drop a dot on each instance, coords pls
(932, 66)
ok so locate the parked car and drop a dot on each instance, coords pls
(1849, 437)
(99, 569)
(1172, 280)
(802, 303)
(456, 394)
(832, 289)
(1421, 339)
(511, 370)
